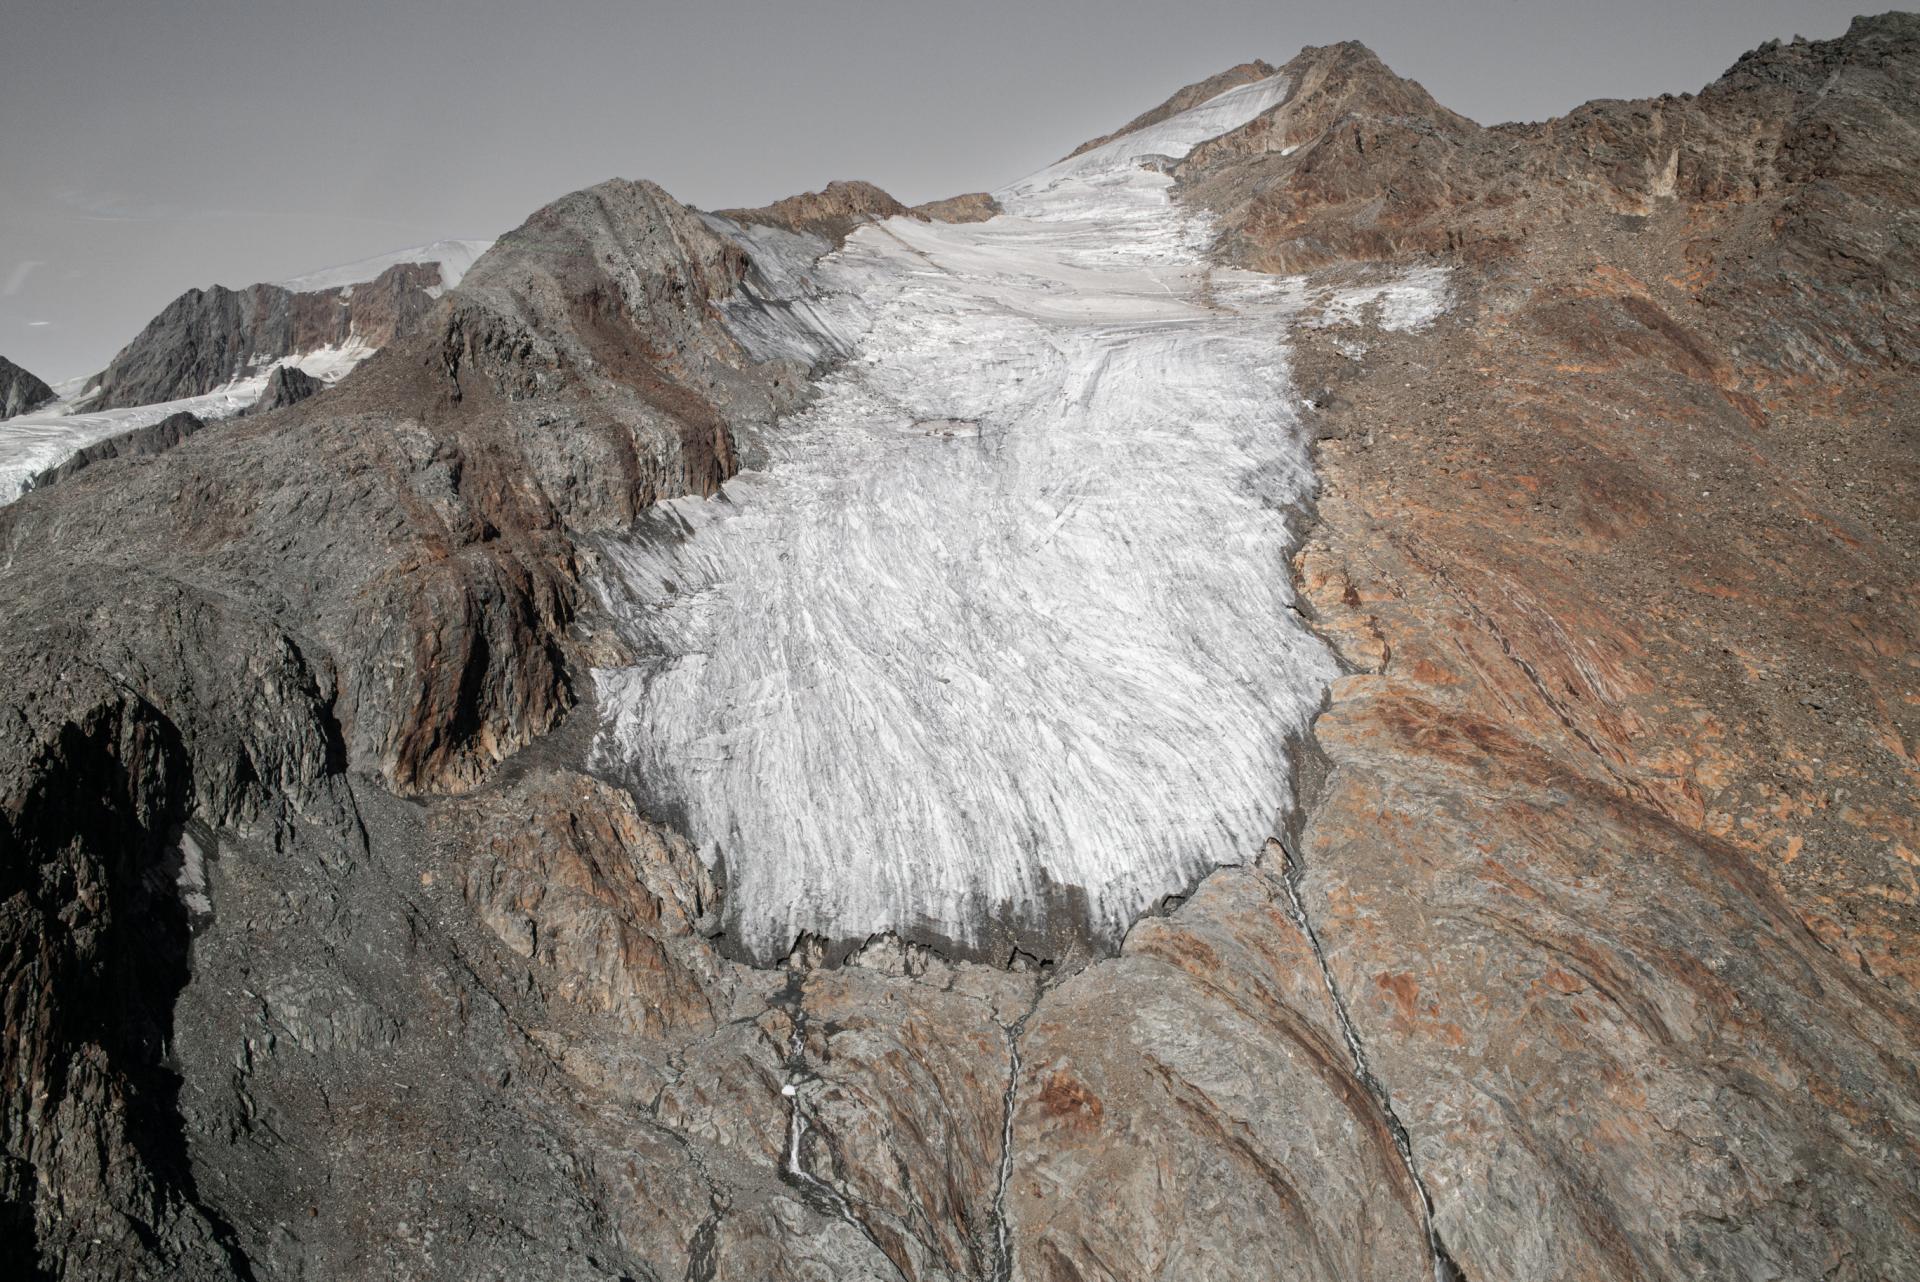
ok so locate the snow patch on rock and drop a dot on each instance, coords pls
(1411, 299)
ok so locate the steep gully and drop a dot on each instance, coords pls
(1444, 1267)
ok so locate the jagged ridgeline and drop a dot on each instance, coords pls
(1316, 690)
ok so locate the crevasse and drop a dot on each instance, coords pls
(1006, 612)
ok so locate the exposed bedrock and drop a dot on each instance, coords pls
(287, 385)
(209, 337)
(20, 391)
(141, 442)
(973, 207)
(835, 210)
(830, 213)
(321, 956)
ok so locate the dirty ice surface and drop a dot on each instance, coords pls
(32, 443)
(1008, 608)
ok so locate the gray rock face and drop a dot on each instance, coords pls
(375, 584)
(288, 385)
(322, 956)
(208, 337)
(141, 442)
(19, 390)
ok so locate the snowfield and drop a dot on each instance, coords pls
(452, 257)
(32, 443)
(1008, 609)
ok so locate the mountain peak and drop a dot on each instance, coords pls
(19, 390)
(1184, 100)
(831, 212)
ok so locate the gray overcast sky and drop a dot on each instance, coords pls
(147, 146)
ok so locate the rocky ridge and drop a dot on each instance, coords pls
(19, 390)
(835, 210)
(209, 337)
(1590, 955)
(287, 385)
(141, 442)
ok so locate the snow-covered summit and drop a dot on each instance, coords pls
(453, 257)
(1171, 138)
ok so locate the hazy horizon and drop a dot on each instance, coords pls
(151, 149)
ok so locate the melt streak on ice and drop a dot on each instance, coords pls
(1008, 609)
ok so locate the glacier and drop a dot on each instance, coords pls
(49, 436)
(452, 257)
(997, 641)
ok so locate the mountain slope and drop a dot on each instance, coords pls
(1583, 951)
(19, 390)
(1618, 553)
(207, 338)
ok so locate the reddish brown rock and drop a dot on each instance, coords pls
(974, 207)
(1612, 862)
(831, 213)
(1192, 1107)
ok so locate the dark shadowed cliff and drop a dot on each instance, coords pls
(19, 390)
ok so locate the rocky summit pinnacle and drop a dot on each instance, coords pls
(1313, 690)
(19, 390)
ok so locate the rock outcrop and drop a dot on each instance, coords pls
(141, 442)
(973, 207)
(19, 390)
(209, 337)
(830, 213)
(1590, 954)
(287, 385)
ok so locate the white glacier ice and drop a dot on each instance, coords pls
(1008, 610)
(32, 443)
(452, 257)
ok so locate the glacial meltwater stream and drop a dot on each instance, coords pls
(1002, 628)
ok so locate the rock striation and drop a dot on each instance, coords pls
(1588, 951)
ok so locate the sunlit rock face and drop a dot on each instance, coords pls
(997, 644)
